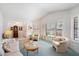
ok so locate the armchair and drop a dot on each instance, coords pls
(60, 44)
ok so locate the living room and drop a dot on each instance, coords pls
(39, 29)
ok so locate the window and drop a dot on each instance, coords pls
(75, 27)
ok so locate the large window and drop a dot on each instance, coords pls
(50, 28)
(75, 27)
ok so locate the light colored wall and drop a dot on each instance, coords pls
(55, 17)
(1, 26)
(67, 18)
(9, 21)
(74, 43)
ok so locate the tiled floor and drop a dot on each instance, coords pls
(46, 49)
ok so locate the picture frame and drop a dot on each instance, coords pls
(11, 28)
(20, 28)
(59, 25)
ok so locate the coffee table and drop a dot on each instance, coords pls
(31, 47)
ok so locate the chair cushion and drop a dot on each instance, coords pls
(58, 38)
(6, 47)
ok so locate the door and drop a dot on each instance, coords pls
(15, 31)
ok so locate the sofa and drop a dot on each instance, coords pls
(60, 44)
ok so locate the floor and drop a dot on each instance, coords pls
(46, 49)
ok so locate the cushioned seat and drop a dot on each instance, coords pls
(13, 47)
(60, 43)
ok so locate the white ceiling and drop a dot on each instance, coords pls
(32, 11)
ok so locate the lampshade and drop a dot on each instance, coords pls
(8, 32)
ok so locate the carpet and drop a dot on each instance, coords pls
(46, 49)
